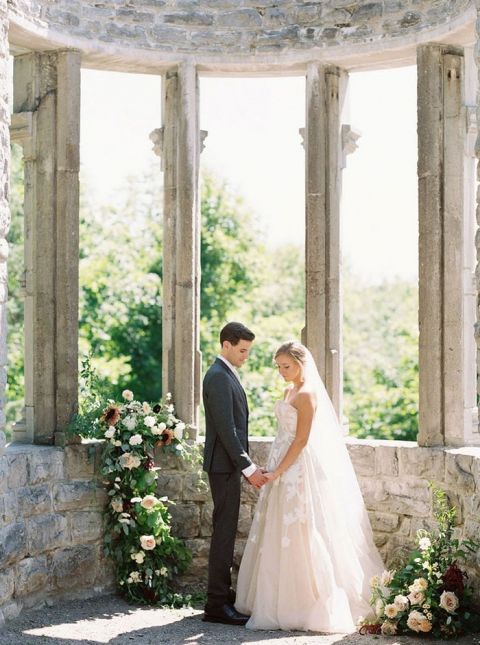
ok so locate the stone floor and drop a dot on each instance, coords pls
(108, 619)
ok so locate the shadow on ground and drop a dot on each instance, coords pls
(108, 619)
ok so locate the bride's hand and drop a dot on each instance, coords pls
(270, 477)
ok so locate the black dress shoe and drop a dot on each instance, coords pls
(225, 614)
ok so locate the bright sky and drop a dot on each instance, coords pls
(253, 143)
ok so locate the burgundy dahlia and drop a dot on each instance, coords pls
(454, 580)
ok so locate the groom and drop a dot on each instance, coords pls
(225, 460)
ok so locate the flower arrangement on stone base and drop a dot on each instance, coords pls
(430, 594)
(138, 537)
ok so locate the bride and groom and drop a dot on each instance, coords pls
(310, 553)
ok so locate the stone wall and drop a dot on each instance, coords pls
(50, 526)
(230, 26)
(394, 478)
(51, 521)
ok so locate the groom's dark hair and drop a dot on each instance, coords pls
(235, 332)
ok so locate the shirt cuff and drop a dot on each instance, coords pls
(249, 470)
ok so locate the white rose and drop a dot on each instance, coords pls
(156, 430)
(163, 571)
(135, 440)
(148, 542)
(127, 460)
(117, 443)
(449, 601)
(138, 557)
(424, 543)
(127, 395)
(130, 423)
(420, 584)
(388, 628)
(146, 408)
(415, 618)
(109, 433)
(391, 611)
(149, 501)
(162, 426)
(416, 597)
(149, 422)
(135, 576)
(401, 602)
(178, 431)
(379, 607)
(386, 578)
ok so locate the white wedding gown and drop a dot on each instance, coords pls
(310, 554)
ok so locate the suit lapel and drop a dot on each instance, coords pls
(235, 380)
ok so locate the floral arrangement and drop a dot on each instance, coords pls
(138, 540)
(430, 593)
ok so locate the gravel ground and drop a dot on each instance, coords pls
(108, 619)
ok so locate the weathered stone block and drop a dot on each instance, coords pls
(384, 522)
(31, 575)
(3, 474)
(13, 542)
(195, 18)
(86, 526)
(249, 494)
(240, 19)
(171, 485)
(77, 563)
(363, 458)
(168, 35)
(240, 545)
(396, 496)
(422, 462)
(6, 585)
(260, 448)
(459, 470)
(33, 500)
(77, 495)
(17, 474)
(45, 465)
(47, 532)
(195, 488)
(185, 520)
(386, 461)
(8, 508)
(199, 547)
(80, 461)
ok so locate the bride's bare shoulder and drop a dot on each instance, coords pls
(306, 399)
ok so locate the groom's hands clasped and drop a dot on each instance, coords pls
(257, 478)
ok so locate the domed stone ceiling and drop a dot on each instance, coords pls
(236, 28)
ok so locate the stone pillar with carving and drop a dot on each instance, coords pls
(4, 211)
(179, 144)
(325, 90)
(47, 109)
(442, 304)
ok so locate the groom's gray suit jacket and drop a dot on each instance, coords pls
(226, 418)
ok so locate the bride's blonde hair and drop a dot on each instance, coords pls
(293, 349)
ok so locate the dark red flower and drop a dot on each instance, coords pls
(148, 464)
(111, 415)
(157, 408)
(454, 580)
(149, 594)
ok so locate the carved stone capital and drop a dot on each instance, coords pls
(156, 137)
(349, 138)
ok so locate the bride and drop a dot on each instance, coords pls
(310, 553)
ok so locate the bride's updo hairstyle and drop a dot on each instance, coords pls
(293, 349)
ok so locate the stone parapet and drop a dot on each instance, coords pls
(51, 505)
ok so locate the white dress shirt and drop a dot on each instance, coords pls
(249, 470)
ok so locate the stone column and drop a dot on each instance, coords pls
(47, 86)
(4, 211)
(323, 160)
(181, 254)
(441, 140)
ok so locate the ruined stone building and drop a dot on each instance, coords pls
(50, 506)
